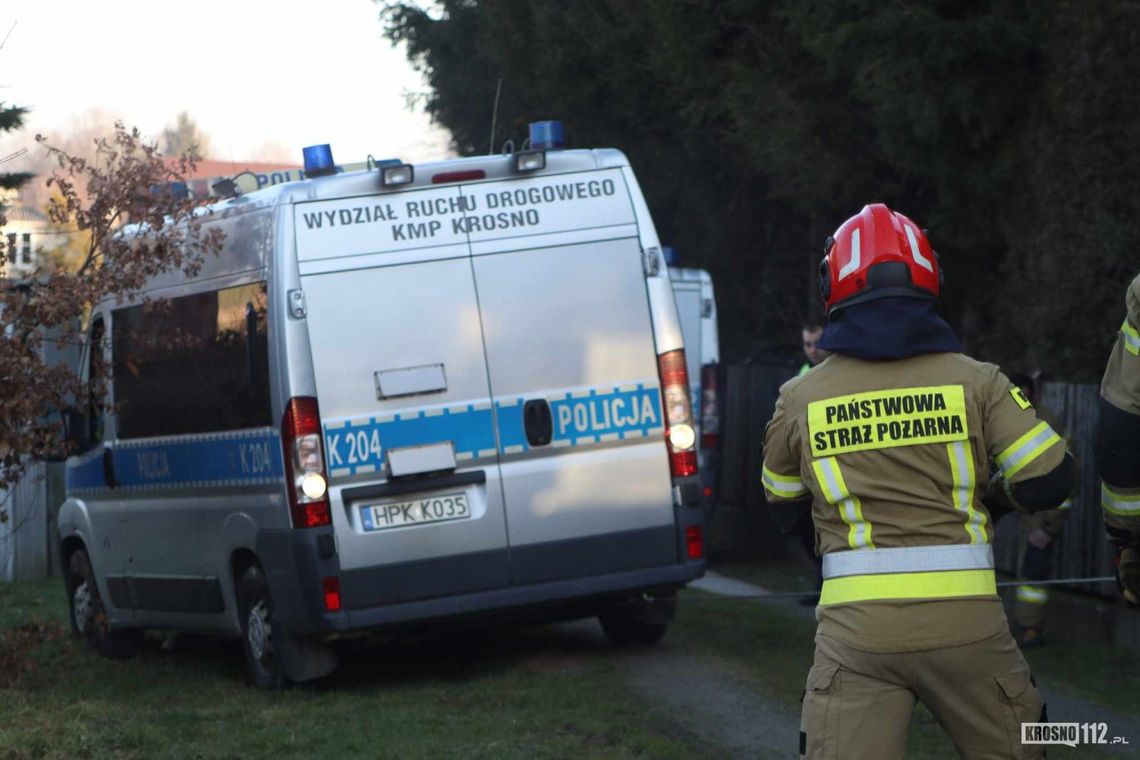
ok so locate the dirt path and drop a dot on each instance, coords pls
(713, 705)
(703, 697)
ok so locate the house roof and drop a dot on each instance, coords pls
(207, 168)
(25, 214)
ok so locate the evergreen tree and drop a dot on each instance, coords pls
(756, 127)
(11, 119)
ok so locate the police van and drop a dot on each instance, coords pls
(696, 308)
(418, 394)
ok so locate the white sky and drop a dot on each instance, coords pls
(261, 78)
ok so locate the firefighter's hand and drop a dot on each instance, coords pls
(1038, 538)
(997, 499)
(1128, 573)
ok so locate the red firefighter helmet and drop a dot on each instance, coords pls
(878, 253)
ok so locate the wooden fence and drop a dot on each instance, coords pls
(28, 543)
(741, 526)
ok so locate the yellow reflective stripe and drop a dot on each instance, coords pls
(1131, 338)
(1022, 452)
(1032, 594)
(944, 584)
(783, 486)
(962, 472)
(1123, 505)
(850, 508)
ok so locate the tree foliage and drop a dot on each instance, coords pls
(11, 119)
(124, 185)
(1007, 128)
(184, 137)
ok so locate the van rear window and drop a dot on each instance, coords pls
(194, 364)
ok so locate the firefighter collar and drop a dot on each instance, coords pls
(889, 328)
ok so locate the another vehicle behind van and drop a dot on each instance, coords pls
(696, 308)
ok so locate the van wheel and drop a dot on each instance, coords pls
(639, 621)
(88, 615)
(260, 633)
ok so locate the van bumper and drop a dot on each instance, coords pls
(294, 576)
(655, 559)
(516, 598)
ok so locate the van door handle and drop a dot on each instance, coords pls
(538, 422)
(109, 468)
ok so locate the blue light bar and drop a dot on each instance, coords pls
(319, 160)
(546, 135)
(670, 254)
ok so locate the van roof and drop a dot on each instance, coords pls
(366, 182)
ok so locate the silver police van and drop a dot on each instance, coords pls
(419, 394)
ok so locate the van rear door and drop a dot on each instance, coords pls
(402, 386)
(573, 373)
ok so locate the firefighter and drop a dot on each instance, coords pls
(888, 443)
(810, 333)
(1038, 534)
(1118, 446)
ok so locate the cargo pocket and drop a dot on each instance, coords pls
(820, 721)
(1020, 703)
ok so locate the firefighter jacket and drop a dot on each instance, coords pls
(1118, 440)
(895, 457)
(1052, 521)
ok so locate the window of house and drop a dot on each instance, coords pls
(195, 364)
(12, 249)
(26, 250)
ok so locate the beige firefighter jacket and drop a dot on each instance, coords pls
(895, 456)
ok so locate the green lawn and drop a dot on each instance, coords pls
(1107, 676)
(516, 694)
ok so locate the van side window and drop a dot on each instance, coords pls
(195, 364)
(96, 381)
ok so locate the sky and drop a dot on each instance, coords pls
(261, 78)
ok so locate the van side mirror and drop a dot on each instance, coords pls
(76, 433)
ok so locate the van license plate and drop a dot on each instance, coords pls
(433, 509)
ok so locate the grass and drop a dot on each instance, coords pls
(513, 694)
(1107, 676)
(519, 693)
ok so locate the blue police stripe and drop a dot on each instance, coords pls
(246, 457)
(587, 419)
(85, 477)
(512, 431)
(361, 446)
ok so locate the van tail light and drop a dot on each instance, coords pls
(331, 588)
(680, 438)
(710, 414)
(695, 541)
(305, 464)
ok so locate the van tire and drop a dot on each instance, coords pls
(640, 621)
(88, 615)
(261, 634)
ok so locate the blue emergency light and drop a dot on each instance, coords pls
(670, 254)
(319, 160)
(546, 135)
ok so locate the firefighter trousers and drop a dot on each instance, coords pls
(858, 704)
